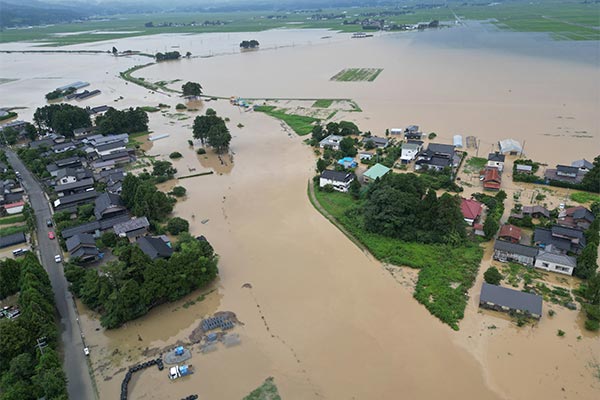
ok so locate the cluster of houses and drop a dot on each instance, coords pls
(555, 248)
(573, 173)
(12, 202)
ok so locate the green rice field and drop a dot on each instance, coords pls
(357, 75)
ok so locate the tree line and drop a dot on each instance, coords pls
(211, 129)
(27, 374)
(64, 118)
(342, 128)
(134, 284)
(142, 198)
(249, 44)
(402, 206)
(170, 55)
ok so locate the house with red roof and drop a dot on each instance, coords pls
(492, 179)
(510, 233)
(14, 208)
(471, 210)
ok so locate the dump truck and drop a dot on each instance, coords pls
(179, 370)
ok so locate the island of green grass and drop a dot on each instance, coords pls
(322, 103)
(357, 75)
(266, 391)
(585, 197)
(446, 272)
(300, 124)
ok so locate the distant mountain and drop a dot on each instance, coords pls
(14, 13)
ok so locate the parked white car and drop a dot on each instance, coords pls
(57, 258)
(86, 351)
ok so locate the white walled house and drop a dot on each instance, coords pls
(410, 151)
(340, 180)
(332, 141)
(560, 263)
(496, 160)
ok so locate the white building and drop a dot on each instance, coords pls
(340, 180)
(332, 141)
(410, 151)
(365, 156)
(560, 263)
(496, 160)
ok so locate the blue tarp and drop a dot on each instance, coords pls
(179, 350)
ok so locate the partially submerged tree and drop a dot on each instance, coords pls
(191, 89)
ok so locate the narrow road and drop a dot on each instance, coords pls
(75, 362)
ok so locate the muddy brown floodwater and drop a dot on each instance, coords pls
(326, 320)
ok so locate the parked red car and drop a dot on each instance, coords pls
(50, 235)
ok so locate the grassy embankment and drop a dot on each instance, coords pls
(584, 197)
(446, 272)
(562, 19)
(9, 115)
(158, 86)
(357, 75)
(300, 124)
(322, 103)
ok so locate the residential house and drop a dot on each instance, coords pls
(514, 252)
(46, 142)
(347, 162)
(98, 140)
(510, 146)
(83, 247)
(98, 110)
(70, 203)
(64, 147)
(532, 211)
(564, 173)
(412, 133)
(492, 179)
(471, 210)
(510, 233)
(11, 240)
(331, 141)
(95, 228)
(478, 230)
(576, 217)
(119, 157)
(375, 172)
(108, 205)
(583, 165)
(396, 131)
(340, 180)
(410, 150)
(555, 262)
(132, 229)
(74, 187)
(562, 239)
(111, 147)
(379, 142)
(72, 162)
(71, 175)
(496, 160)
(437, 156)
(508, 300)
(84, 132)
(14, 208)
(154, 247)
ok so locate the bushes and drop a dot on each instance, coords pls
(175, 155)
(495, 209)
(492, 276)
(178, 191)
(201, 151)
(180, 106)
(177, 225)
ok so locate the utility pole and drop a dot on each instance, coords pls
(477, 147)
(522, 149)
(41, 344)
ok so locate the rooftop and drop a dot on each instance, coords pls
(376, 171)
(513, 299)
(337, 176)
(561, 259)
(131, 225)
(470, 208)
(510, 231)
(497, 157)
(515, 248)
(154, 247)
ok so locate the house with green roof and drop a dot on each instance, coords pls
(376, 171)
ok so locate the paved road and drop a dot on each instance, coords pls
(75, 363)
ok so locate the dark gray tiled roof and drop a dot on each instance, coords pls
(515, 248)
(87, 182)
(513, 299)
(497, 157)
(11, 240)
(154, 247)
(93, 226)
(338, 176)
(131, 225)
(81, 239)
(106, 201)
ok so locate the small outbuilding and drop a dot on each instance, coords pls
(510, 146)
(376, 171)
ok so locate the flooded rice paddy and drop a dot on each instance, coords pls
(324, 319)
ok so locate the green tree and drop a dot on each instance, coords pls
(109, 238)
(321, 165)
(333, 128)
(492, 276)
(219, 137)
(490, 227)
(348, 128)
(114, 122)
(591, 180)
(191, 89)
(178, 191)
(61, 118)
(10, 274)
(354, 188)
(348, 147)
(177, 225)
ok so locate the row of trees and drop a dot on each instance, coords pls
(169, 55)
(191, 89)
(404, 207)
(64, 118)
(61, 118)
(249, 44)
(495, 209)
(134, 284)
(26, 373)
(114, 121)
(342, 128)
(211, 129)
